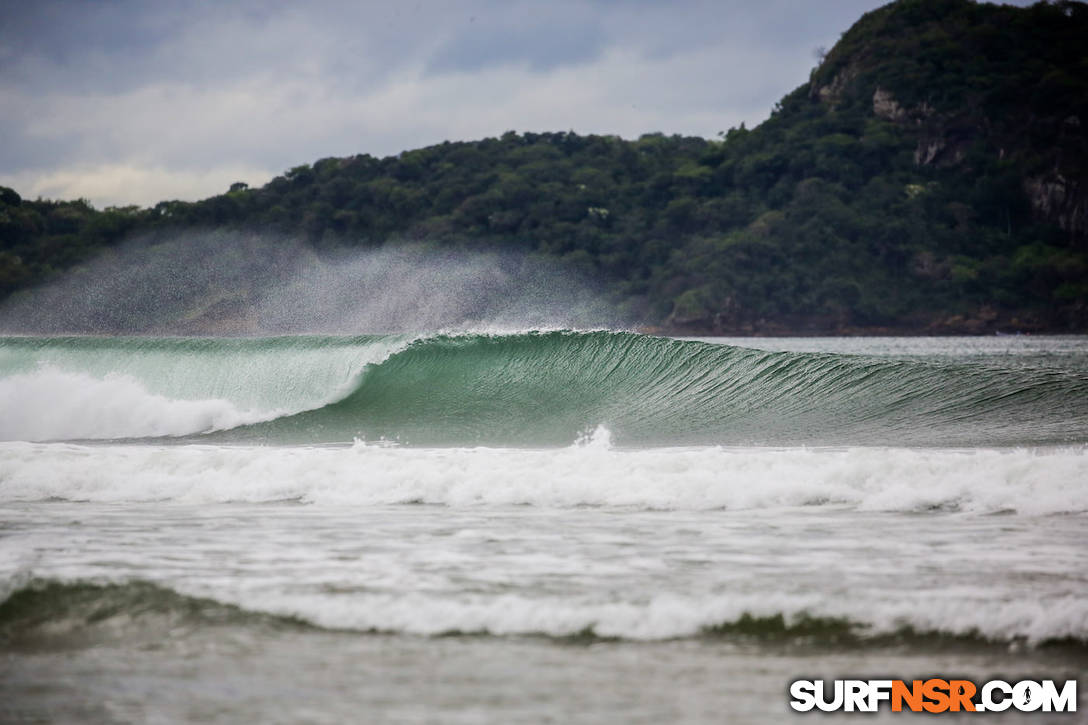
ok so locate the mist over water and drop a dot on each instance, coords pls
(237, 283)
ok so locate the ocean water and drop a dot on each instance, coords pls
(547, 526)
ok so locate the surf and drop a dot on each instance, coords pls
(522, 389)
(51, 611)
(590, 473)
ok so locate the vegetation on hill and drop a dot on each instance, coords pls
(930, 176)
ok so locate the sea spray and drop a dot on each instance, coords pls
(228, 282)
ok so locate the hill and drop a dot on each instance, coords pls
(929, 177)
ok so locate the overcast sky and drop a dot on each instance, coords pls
(135, 102)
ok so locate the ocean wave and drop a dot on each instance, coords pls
(589, 473)
(546, 388)
(54, 609)
(525, 389)
(88, 388)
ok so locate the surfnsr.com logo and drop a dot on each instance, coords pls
(933, 695)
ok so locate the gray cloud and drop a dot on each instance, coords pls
(542, 36)
(128, 102)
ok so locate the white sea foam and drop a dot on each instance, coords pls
(60, 394)
(671, 616)
(53, 404)
(1041, 481)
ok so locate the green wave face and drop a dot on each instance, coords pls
(550, 388)
(525, 389)
(75, 613)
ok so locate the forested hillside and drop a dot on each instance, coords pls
(929, 176)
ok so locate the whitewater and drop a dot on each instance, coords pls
(249, 528)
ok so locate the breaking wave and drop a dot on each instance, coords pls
(522, 389)
(77, 611)
(588, 473)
